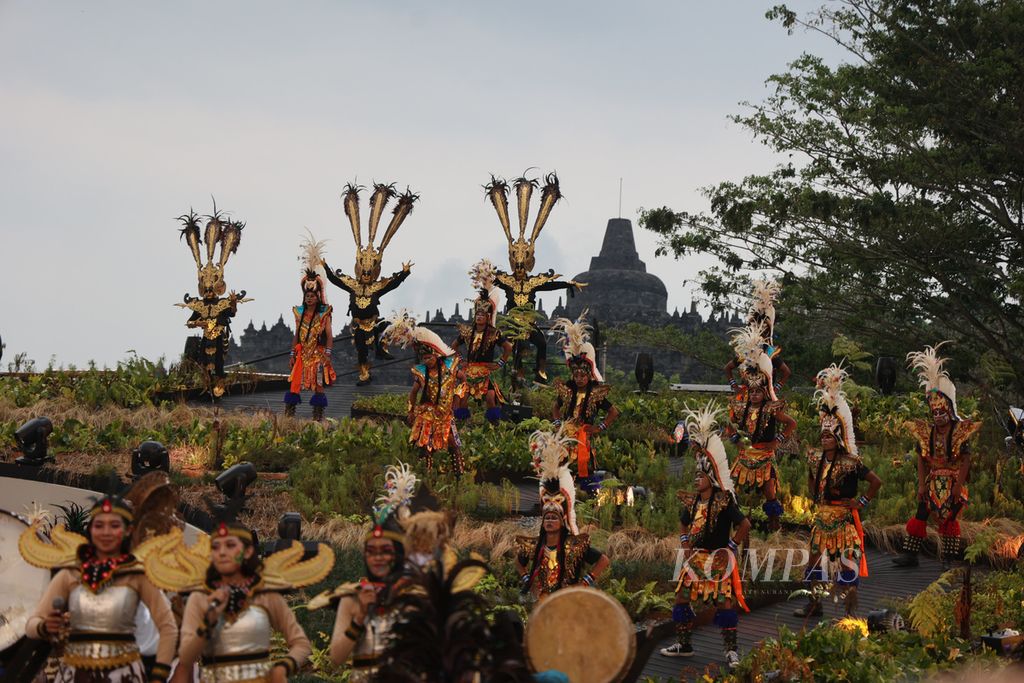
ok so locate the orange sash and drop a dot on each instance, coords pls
(863, 548)
(296, 374)
(582, 453)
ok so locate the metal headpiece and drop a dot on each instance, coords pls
(219, 231)
(521, 250)
(368, 257)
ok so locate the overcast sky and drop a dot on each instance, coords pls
(115, 117)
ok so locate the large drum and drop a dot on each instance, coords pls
(582, 632)
(21, 584)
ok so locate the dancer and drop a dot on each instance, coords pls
(520, 286)
(943, 460)
(759, 423)
(367, 287)
(762, 316)
(93, 598)
(482, 339)
(366, 611)
(710, 574)
(212, 312)
(313, 342)
(837, 539)
(235, 599)
(580, 401)
(559, 554)
(436, 380)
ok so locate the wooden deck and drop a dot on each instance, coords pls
(885, 583)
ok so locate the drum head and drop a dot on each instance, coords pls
(21, 584)
(582, 632)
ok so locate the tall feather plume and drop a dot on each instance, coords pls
(746, 341)
(702, 426)
(524, 190)
(497, 192)
(766, 293)
(231, 237)
(399, 488)
(401, 328)
(577, 332)
(831, 399)
(191, 234)
(350, 201)
(928, 366)
(482, 275)
(401, 211)
(548, 196)
(382, 194)
(312, 255)
(550, 461)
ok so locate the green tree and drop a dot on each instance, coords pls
(897, 219)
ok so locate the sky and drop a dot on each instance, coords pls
(116, 117)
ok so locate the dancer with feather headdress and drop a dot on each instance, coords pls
(212, 311)
(367, 287)
(712, 528)
(834, 473)
(580, 401)
(759, 422)
(520, 286)
(943, 460)
(437, 381)
(557, 557)
(481, 340)
(313, 341)
(762, 318)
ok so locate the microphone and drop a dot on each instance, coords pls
(59, 605)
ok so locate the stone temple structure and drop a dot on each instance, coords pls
(619, 288)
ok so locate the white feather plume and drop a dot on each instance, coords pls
(831, 399)
(399, 488)
(550, 452)
(312, 255)
(702, 426)
(931, 375)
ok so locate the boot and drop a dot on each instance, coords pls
(289, 410)
(732, 655)
(683, 646)
(850, 601)
(911, 547)
(364, 375)
(811, 609)
(540, 375)
(952, 548)
(774, 523)
(318, 413)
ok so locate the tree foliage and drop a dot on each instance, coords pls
(897, 217)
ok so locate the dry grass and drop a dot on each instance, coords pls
(1001, 554)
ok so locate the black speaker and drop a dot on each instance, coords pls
(644, 371)
(885, 374)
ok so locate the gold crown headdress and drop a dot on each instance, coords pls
(834, 412)
(576, 343)
(702, 427)
(933, 379)
(550, 452)
(403, 330)
(756, 365)
(762, 306)
(312, 259)
(219, 231)
(520, 251)
(482, 275)
(368, 257)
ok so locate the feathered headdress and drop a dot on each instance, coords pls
(219, 231)
(368, 257)
(482, 275)
(392, 506)
(403, 331)
(312, 259)
(550, 451)
(834, 412)
(576, 344)
(756, 365)
(933, 379)
(702, 427)
(521, 250)
(762, 306)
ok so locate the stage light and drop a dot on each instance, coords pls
(150, 456)
(289, 527)
(644, 372)
(234, 481)
(32, 439)
(885, 620)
